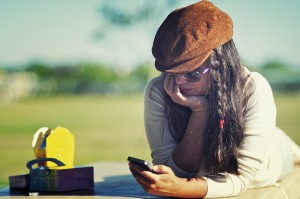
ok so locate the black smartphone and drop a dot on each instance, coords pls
(141, 163)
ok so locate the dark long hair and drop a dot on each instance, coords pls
(227, 101)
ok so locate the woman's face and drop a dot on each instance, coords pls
(193, 88)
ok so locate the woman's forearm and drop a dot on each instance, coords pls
(192, 188)
(189, 152)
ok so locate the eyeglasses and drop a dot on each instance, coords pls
(193, 76)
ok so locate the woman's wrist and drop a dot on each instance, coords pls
(201, 106)
(192, 188)
(200, 109)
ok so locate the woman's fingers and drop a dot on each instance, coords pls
(176, 90)
(161, 169)
(163, 183)
(143, 176)
(169, 84)
(172, 89)
(139, 178)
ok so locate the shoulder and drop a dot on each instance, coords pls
(154, 87)
(154, 98)
(261, 86)
(261, 98)
(256, 85)
(257, 80)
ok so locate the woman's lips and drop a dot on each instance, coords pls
(185, 90)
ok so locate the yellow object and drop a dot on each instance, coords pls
(58, 144)
(39, 142)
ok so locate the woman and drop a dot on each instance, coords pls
(210, 122)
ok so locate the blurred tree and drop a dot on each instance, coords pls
(122, 14)
(281, 76)
(41, 70)
(96, 73)
(275, 66)
(140, 74)
(87, 78)
(93, 78)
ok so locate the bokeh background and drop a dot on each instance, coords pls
(83, 65)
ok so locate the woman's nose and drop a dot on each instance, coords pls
(179, 79)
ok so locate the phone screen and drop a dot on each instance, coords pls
(141, 163)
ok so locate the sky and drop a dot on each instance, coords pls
(63, 32)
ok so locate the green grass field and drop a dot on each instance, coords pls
(105, 128)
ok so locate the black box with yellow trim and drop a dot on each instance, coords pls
(54, 152)
(61, 180)
(58, 179)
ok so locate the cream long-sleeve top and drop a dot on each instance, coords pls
(263, 157)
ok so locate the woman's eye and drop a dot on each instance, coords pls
(195, 74)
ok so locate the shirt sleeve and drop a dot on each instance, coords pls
(260, 122)
(160, 141)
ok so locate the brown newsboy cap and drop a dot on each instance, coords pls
(188, 35)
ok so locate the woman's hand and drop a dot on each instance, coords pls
(193, 102)
(163, 182)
